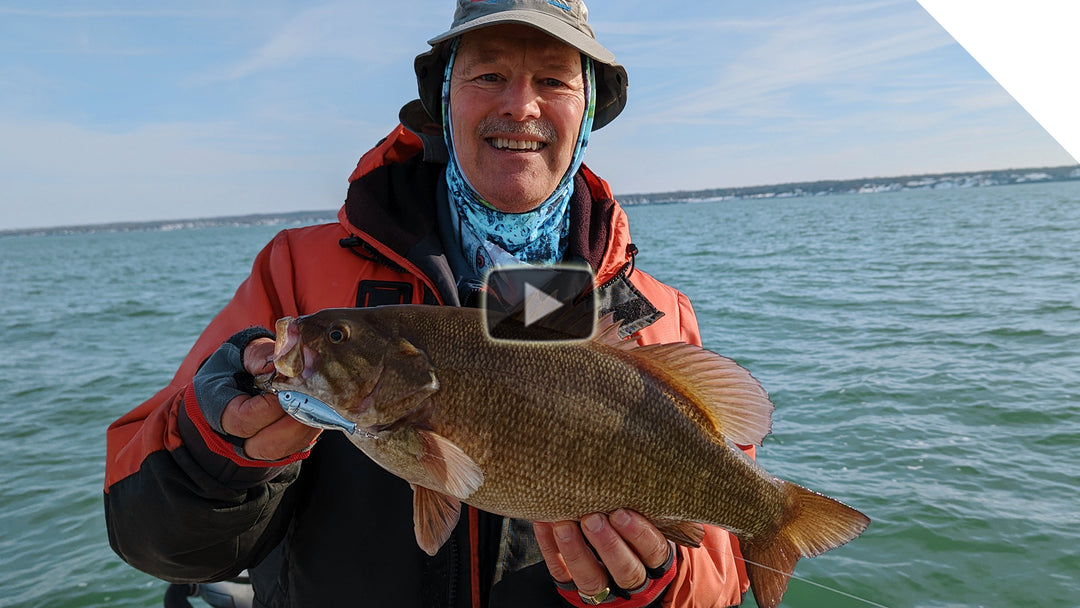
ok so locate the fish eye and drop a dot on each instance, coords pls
(337, 334)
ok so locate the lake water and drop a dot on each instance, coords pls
(922, 349)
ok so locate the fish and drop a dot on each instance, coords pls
(547, 430)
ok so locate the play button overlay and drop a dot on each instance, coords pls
(539, 303)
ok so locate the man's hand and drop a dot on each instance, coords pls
(270, 434)
(232, 405)
(625, 545)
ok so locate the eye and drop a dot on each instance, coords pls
(553, 82)
(337, 334)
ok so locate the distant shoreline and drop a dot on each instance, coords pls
(936, 181)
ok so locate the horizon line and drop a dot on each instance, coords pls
(118, 225)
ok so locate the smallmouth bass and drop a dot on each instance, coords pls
(553, 431)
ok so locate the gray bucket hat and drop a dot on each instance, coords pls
(566, 20)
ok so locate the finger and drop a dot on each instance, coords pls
(587, 572)
(280, 440)
(617, 556)
(545, 537)
(244, 415)
(259, 356)
(647, 542)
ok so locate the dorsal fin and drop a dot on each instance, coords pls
(724, 391)
(607, 332)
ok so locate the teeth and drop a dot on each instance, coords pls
(512, 144)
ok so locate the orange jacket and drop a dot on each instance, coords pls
(354, 262)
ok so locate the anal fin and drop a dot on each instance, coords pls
(681, 532)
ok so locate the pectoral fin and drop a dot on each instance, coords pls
(451, 469)
(434, 518)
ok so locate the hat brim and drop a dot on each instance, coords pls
(611, 84)
(553, 26)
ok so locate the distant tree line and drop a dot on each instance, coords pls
(863, 185)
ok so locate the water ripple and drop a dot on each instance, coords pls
(922, 350)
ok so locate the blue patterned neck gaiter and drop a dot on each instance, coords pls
(489, 237)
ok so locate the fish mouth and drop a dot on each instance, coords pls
(291, 358)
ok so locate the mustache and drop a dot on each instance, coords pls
(540, 128)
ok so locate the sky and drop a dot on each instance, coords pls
(130, 111)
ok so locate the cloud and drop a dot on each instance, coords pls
(89, 139)
(112, 13)
(719, 163)
(829, 91)
(72, 175)
(364, 33)
(826, 46)
(116, 115)
(1028, 48)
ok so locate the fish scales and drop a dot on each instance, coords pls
(553, 431)
(517, 401)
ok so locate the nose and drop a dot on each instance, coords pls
(521, 100)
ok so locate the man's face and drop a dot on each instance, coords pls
(517, 98)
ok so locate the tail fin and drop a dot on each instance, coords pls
(814, 524)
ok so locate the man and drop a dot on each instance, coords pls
(209, 476)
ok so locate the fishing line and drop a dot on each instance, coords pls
(802, 579)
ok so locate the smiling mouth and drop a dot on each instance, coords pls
(515, 145)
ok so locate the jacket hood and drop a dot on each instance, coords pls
(392, 197)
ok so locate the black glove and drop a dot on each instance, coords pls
(222, 377)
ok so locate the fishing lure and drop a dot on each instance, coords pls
(315, 413)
